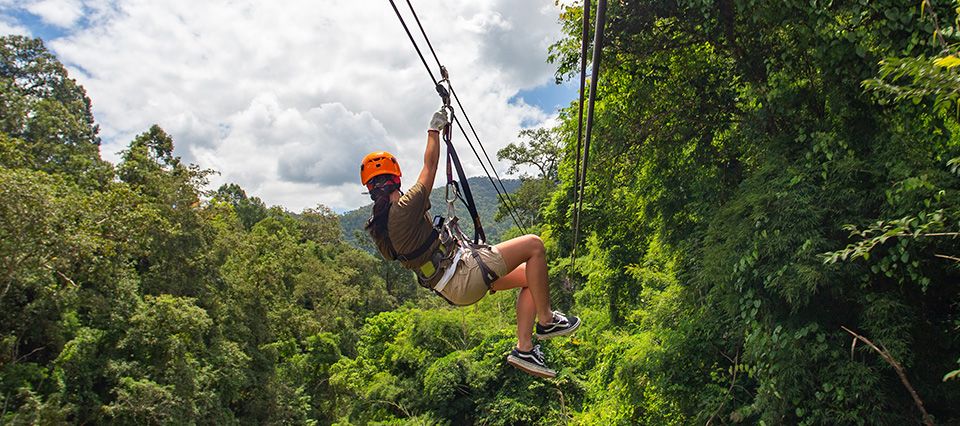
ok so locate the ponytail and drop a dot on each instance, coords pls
(380, 189)
(377, 224)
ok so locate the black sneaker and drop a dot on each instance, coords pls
(530, 362)
(559, 326)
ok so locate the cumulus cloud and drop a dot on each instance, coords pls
(285, 100)
(60, 13)
(311, 158)
(10, 27)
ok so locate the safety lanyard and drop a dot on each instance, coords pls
(453, 189)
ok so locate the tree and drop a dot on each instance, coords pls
(541, 151)
(931, 213)
(736, 142)
(250, 210)
(320, 224)
(124, 298)
(173, 262)
(45, 115)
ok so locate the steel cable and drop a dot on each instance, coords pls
(504, 196)
(594, 76)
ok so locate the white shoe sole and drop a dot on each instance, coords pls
(563, 332)
(531, 368)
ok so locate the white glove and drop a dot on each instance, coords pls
(439, 120)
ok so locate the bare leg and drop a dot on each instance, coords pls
(526, 314)
(526, 259)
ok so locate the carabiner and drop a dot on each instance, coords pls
(451, 210)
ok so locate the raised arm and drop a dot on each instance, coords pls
(431, 156)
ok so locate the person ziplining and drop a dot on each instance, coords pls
(447, 262)
(437, 251)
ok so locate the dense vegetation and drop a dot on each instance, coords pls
(735, 144)
(757, 182)
(127, 299)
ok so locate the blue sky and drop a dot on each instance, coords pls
(549, 96)
(36, 25)
(285, 101)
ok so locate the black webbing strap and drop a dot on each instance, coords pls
(478, 234)
(488, 275)
(434, 235)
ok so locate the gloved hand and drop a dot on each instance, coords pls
(439, 120)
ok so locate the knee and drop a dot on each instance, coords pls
(535, 244)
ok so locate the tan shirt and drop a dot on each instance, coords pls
(409, 225)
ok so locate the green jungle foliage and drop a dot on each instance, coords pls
(757, 182)
(747, 198)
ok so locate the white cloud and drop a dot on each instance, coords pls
(60, 13)
(7, 27)
(286, 99)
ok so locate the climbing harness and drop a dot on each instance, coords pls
(594, 76)
(455, 243)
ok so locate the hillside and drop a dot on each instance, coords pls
(484, 195)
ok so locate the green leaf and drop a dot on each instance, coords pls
(951, 375)
(950, 61)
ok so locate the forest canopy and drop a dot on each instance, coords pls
(768, 180)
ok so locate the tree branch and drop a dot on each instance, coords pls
(733, 382)
(927, 420)
(31, 353)
(394, 404)
(943, 256)
(937, 32)
(937, 234)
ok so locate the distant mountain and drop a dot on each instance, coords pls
(484, 195)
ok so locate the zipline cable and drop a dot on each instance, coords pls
(505, 196)
(478, 233)
(415, 46)
(435, 81)
(584, 43)
(594, 76)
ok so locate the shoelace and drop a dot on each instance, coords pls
(559, 318)
(539, 354)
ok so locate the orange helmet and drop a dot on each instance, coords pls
(378, 163)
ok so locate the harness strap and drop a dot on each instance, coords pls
(438, 262)
(488, 275)
(478, 234)
(474, 249)
(406, 257)
(414, 254)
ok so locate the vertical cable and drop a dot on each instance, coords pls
(584, 43)
(594, 77)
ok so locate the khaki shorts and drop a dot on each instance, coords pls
(466, 285)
